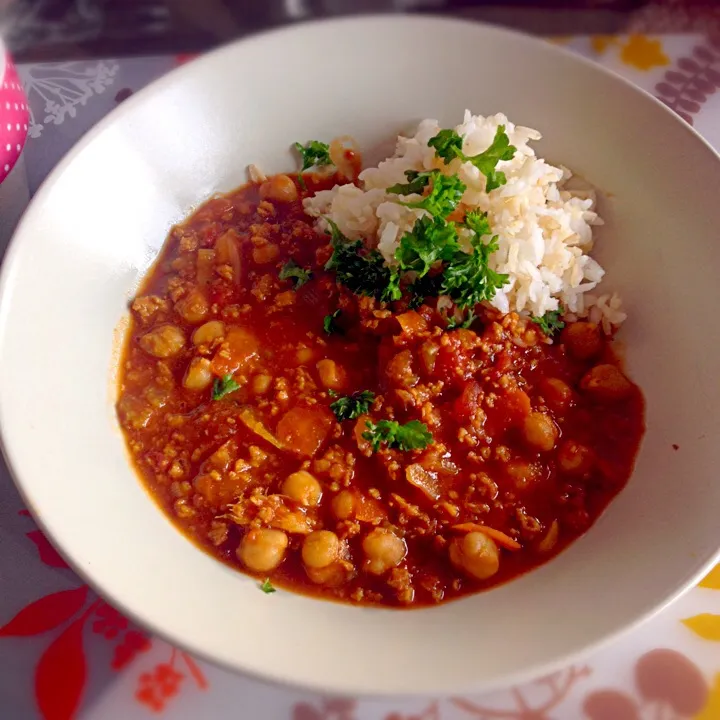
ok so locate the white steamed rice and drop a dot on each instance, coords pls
(544, 230)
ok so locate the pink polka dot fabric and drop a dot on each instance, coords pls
(14, 118)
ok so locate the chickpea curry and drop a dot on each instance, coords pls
(370, 450)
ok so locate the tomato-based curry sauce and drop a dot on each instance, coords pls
(352, 449)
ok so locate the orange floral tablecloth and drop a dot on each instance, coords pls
(65, 653)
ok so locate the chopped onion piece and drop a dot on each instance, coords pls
(251, 421)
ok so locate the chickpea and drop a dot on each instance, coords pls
(320, 549)
(279, 187)
(476, 554)
(199, 374)
(302, 487)
(557, 394)
(262, 550)
(582, 339)
(540, 432)
(606, 383)
(304, 355)
(163, 341)
(574, 458)
(383, 551)
(332, 376)
(343, 505)
(261, 384)
(207, 333)
(334, 575)
(265, 253)
(522, 474)
(193, 308)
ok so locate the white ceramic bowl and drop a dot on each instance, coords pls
(99, 220)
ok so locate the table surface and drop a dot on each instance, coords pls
(48, 30)
(66, 654)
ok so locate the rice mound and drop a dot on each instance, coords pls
(544, 230)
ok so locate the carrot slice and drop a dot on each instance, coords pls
(497, 535)
(367, 509)
(412, 323)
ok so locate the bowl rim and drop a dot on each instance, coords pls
(9, 266)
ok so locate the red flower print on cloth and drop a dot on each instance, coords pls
(610, 705)
(14, 118)
(329, 709)
(48, 554)
(62, 672)
(669, 686)
(132, 644)
(431, 712)
(535, 701)
(667, 677)
(164, 681)
(109, 622)
(687, 87)
(45, 614)
(159, 685)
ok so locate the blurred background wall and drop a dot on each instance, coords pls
(69, 29)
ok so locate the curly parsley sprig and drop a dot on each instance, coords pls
(223, 386)
(417, 182)
(292, 271)
(330, 325)
(550, 322)
(448, 146)
(431, 240)
(429, 256)
(267, 587)
(410, 436)
(353, 406)
(463, 322)
(362, 271)
(444, 196)
(313, 154)
(468, 278)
